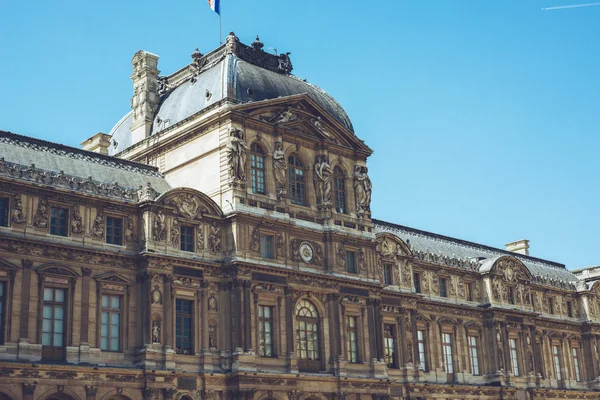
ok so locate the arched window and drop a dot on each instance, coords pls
(307, 336)
(296, 179)
(339, 189)
(257, 168)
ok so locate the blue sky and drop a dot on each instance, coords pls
(483, 115)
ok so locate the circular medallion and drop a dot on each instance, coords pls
(306, 252)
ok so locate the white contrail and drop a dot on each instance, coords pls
(572, 6)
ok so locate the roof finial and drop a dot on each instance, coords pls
(196, 54)
(257, 44)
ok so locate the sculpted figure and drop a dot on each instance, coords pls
(98, 227)
(175, 234)
(200, 238)
(41, 216)
(362, 189)
(160, 227)
(129, 230)
(237, 154)
(17, 216)
(76, 223)
(214, 239)
(279, 168)
(285, 116)
(155, 331)
(322, 180)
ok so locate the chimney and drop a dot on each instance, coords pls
(519, 247)
(98, 143)
(145, 94)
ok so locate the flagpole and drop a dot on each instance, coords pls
(220, 30)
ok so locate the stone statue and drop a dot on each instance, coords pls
(362, 189)
(322, 180)
(280, 169)
(237, 154)
(319, 125)
(17, 216)
(76, 223)
(200, 238)
(41, 216)
(160, 227)
(98, 227)
(155, 331)
(175, 234)
(285, 116)
(214, 239)
(129, 233)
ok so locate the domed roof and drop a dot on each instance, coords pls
(234, 72)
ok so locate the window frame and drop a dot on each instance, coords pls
(575, 355)
(354, 267)
(257, 172)
(271, 253)
(112, 284)
(443, 283)
(5, 213)
(180, 316)
(551, 308)
(121, 236)
(513, 349)
(474, 353)
(417, 282)
(307, 363)
(351, 330)
(557, 362)
(389, 344)
(296, 185)
(57, 277)
(339, 191)
(388, 274)
(447, 351)
(262, 333)
(7, 279)
(423, 346)
(192, 236)
(110, 311)
(52, 225)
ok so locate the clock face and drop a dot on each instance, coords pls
(306, 252)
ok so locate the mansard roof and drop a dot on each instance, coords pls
(27, 159)
(448, 251)
(234, 72)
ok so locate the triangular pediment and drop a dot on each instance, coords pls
(113, 278)
(300, 115)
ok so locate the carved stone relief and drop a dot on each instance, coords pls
(200, 238)
(280, 170)
(214, 238)
(97, 230)
(17, 216)
(76, 221)
(159, 227)
(187, 206)
(362, 190)
(236, 154)
(322, 181)
(40, 219)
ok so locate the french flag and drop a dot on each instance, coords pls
(215, 5)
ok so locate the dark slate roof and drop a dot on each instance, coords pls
(242, 75)
(463, 254)
(34, 160)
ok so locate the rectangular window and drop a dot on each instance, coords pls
(447, 353)
(514, 356)
(511, 295)
(417, 282)
(351, 339)
(265, 328)
(575, 352)
(186, 238)
(257, 170)
(53, 322)
(422, 349)
(389, 346)
(266, 246)
(58, 221)
(570, 309)
(114, 230)
(2, 311)
(443, 287)
(351, 262)
(474, 354)
(387, 274)
(4, 205)
(469, 291)
(183, 326)
(551, 305)
(110, 327)
(556, 357)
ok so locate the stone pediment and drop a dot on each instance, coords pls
(300, 114)
(189, 203)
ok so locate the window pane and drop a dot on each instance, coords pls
(59, 295)
(47, 311)
(46, 339)
(48, 294)
(116, 302)
(58, 339)
(59, 313)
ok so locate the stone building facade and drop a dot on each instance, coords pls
(218, 244)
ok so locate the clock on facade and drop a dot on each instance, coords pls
(306, 252)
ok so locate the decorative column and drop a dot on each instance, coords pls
(289, 329)
(247, 317)
(168, 313)
(236, 311)
(90, 392)
(25, 300)
(204, 317)
(85, 305)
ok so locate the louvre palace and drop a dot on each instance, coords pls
(218, 244)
